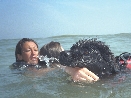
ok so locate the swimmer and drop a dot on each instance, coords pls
(53, 49)
(124, 60)
(26, 54)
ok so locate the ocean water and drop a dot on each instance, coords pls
(56, 83)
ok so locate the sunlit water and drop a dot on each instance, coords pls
(56, 83)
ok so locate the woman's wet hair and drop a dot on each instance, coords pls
(19, 45)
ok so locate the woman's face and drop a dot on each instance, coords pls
(29, 53)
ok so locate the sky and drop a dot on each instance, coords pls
(46, 18)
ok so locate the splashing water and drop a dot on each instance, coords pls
(47, 60)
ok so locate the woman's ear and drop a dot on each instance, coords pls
(19, 57)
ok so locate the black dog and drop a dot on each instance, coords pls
(92, 54)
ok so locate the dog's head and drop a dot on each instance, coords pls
(92, 54)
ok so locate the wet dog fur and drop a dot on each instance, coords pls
(92, 54)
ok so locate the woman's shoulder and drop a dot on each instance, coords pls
(18, 65)
(23, 66)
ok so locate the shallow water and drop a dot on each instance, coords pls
(56, 83)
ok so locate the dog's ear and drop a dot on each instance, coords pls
(65, 58)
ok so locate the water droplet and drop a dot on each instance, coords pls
(47, 60)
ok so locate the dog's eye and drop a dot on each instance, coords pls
(86, 53)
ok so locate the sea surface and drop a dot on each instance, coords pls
(56, 83)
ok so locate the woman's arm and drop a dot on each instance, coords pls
(81, 74)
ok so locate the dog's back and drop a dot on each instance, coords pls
(92, 54)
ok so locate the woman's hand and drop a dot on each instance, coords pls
(81, 74)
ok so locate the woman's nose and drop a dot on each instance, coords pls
(33, 52)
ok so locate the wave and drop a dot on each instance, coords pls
(70, 35)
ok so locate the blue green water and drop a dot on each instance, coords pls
(56, 84)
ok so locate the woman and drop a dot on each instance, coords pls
(27, 51)
(26, 54)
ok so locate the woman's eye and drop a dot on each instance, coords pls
(35, 49)
(27, 50)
